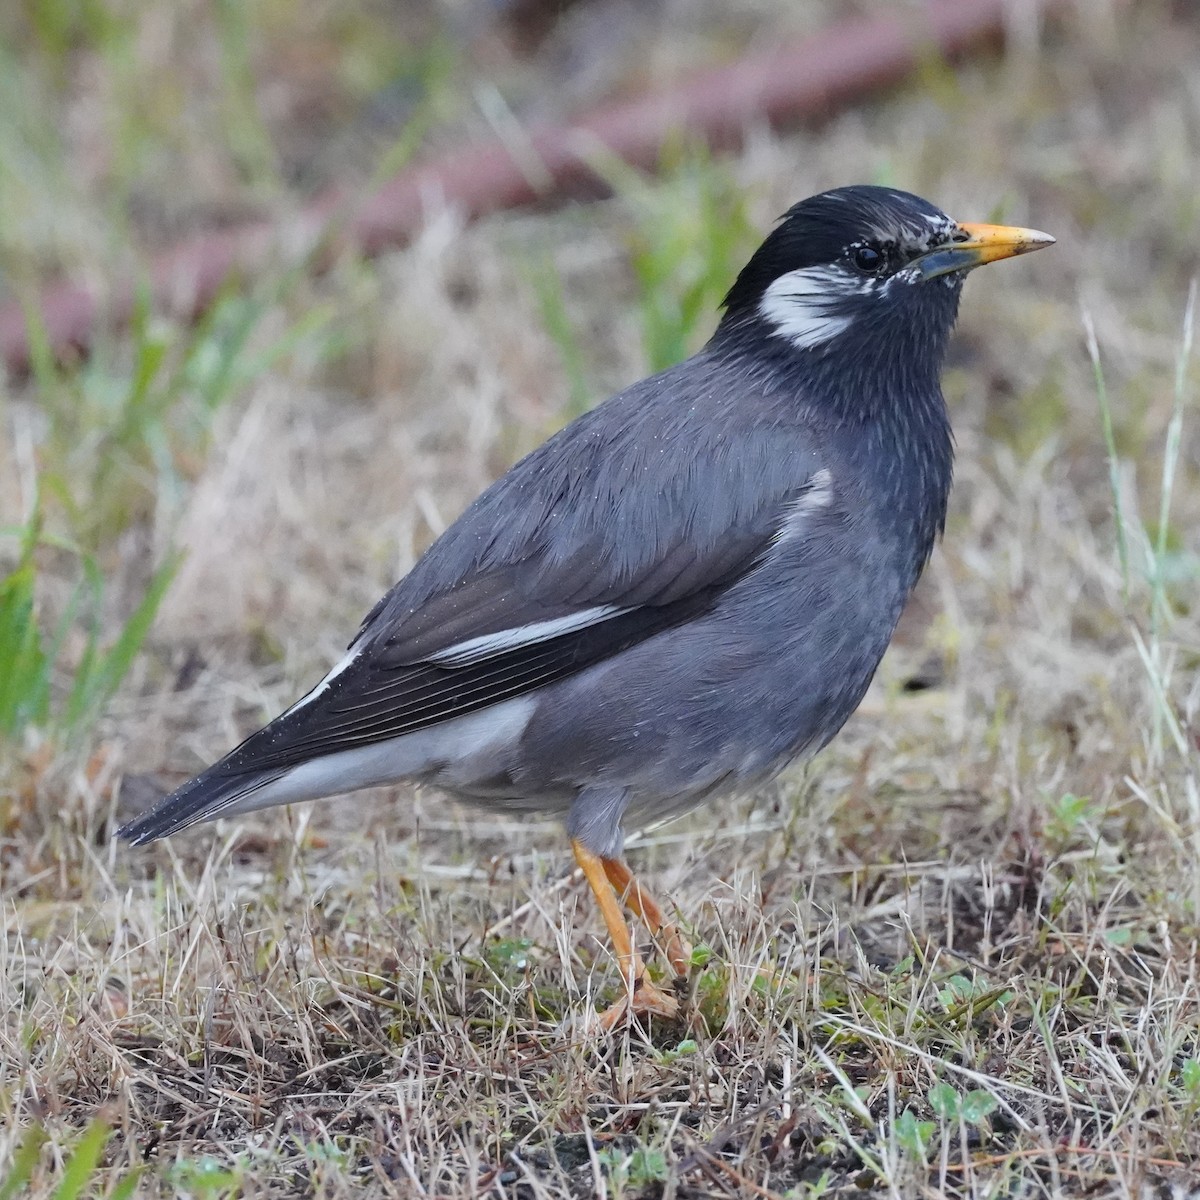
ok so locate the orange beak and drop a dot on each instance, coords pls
(973, 245)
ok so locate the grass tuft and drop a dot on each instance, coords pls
(39, 687)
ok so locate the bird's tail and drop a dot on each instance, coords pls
(214, 793)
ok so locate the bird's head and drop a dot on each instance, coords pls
(864, 274)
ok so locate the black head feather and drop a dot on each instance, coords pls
(825, 229)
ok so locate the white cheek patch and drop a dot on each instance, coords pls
(799, 305)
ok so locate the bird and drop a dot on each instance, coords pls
(679, 593)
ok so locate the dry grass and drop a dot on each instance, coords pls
(981, 905)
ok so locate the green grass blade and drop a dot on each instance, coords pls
(552, 306)
(81, 1166)
(23, 1162)
(1159, 611)
(92, 586)
(96, 685)
(42, 364)
(128, 1185)
(1110, 442)
(24, 662)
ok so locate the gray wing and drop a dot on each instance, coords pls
(507, 645)
(632, 520)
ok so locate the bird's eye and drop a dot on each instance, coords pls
(867, 259)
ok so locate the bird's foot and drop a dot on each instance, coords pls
(675, 947)
(610, 878)
(644, 999)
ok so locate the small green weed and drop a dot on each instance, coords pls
(1189, 1086)
(965, 999)
(685, 1049)
(509, 957)
(913, 1134)
(644, 1166)
(813, 1189)
(206, 1178)
(973, 1107)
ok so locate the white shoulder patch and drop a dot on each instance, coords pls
(798, 305)
(474, 650)
(816, 496)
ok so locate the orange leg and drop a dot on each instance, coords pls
(677, 948)
(642, 996)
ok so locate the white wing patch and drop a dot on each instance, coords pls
(475, 649)
(798, 304)
(341, 665)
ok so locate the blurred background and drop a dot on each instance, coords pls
(287, 453)
(198, 502)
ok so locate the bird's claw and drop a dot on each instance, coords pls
(644, 999)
